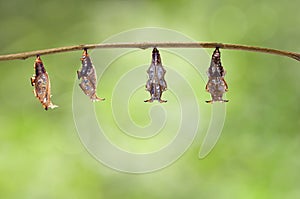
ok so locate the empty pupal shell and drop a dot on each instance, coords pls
(88, 77)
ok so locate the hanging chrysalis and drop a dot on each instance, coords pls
(216, 84)
(41, 82)
(156, 83)
(88, 77)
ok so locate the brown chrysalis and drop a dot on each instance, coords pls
(41, 82)
(156, 83)
(88, 77)
(216, 84)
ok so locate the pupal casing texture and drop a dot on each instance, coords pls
(41, 82)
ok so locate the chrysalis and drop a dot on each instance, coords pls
(216, 84)
(88, 77)
(156, 83)
(41, 82)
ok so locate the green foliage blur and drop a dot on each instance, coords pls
(41, 155)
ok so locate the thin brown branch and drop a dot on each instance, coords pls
(145, 45)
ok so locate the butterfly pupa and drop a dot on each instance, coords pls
(41, 82)
(88, 77)
(156, 83)
(216, 84)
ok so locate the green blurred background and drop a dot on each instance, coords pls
(41, 155)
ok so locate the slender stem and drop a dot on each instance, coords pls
(145, 45)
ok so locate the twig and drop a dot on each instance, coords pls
(145, 45)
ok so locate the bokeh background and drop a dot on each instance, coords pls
(41, 155)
